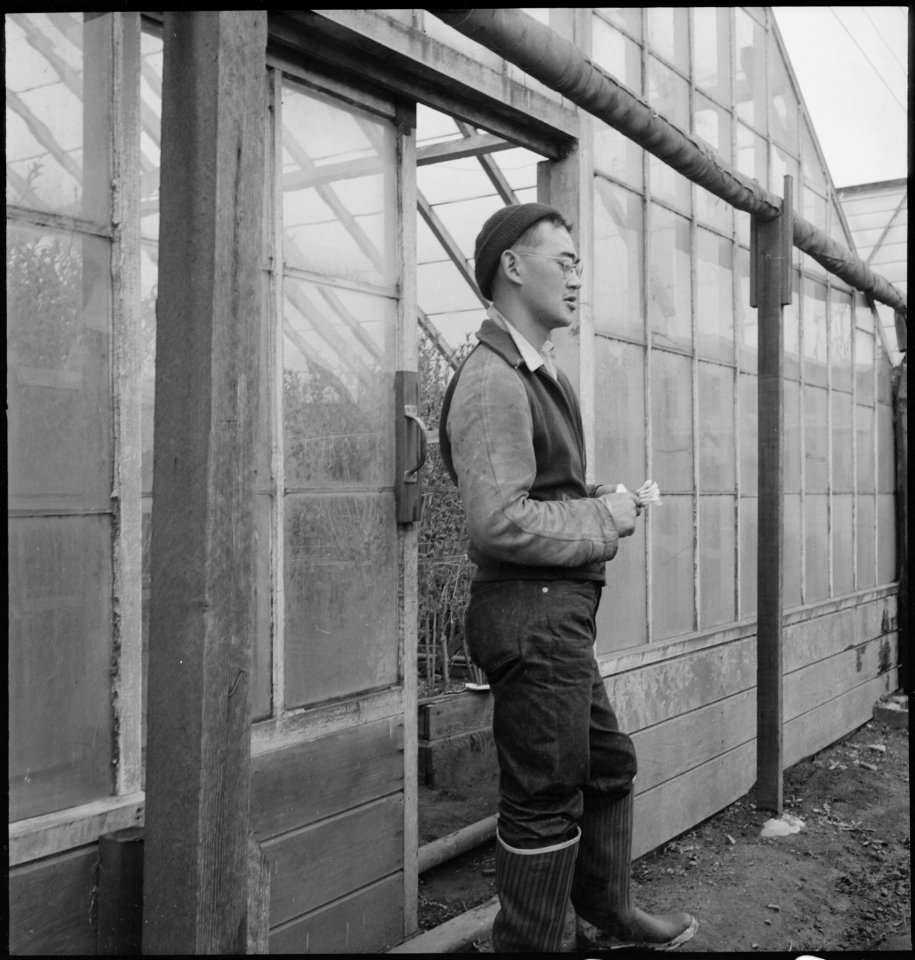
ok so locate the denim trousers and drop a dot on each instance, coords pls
(557, 737)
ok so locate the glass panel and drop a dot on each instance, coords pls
(717, 463)
(886, 450)
(865, 532)
(886, 538)
(58, 113)
(715, 297)
(792, 399)
(815, 440)
(669, 294)
(672, 532)
(341, 576)
(618, 234)
(717, 564)
(622, 619)
(668, 93)
(750, 79)
(791, 586)
(883, 373)
(339, 189)
(58, 369)
(60, 656)
(336, 385)
(620, 446)
(816, 547)
(615, 154)
(813, 332)
(713, 124)
(792, 331)
(668, 34)
(629, 18)
(149, 289)
(864, 449)
(843, 564)
(783, 115)
(864, 367)
(748, 436)
(842, 444)
(749, 543)
(747, 329)
(810, 161)
(671, 416)
(752, 160)
(712, 56)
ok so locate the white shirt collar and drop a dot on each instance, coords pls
(531, 357)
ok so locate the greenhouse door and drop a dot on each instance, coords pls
(334, 751)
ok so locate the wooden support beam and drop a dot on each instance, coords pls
(491, 169)
(120, 892)
(770, 290)
(472, 145)
(196, 870)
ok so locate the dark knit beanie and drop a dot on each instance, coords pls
(499, 232)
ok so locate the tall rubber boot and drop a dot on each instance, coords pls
(533, 888)
(600, 887)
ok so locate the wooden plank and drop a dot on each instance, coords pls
(67, 829)
(51, 905)
(456, 935)
(295, 786)
(366, 921)
(471, 145)
(458, 713)
(832, 678)
(811, 732)
(827, 679)
(327, 860)
(203, 547)
(257, 928)
(676, 746)
(668, 688)
(673, 807)
(120, 892)
(459, 761)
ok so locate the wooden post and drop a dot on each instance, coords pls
(770, 290)
(120, 892)
(196, 873)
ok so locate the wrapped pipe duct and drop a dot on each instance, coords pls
(554, 61)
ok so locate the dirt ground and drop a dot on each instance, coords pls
(842, 883)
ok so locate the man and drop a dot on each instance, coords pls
(511, 437)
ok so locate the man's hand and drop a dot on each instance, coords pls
(624, 508)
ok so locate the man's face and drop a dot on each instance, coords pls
(550, 292)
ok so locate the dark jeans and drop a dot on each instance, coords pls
(556, 734)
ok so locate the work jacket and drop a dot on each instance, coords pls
(512, 440)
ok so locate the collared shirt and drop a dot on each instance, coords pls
(532, 357)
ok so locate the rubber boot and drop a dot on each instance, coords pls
(600, 887)
(533, 888)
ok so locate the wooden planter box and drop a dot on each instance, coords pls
(456, 748)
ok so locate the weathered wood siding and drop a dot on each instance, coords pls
(693, 717)
(329, 815)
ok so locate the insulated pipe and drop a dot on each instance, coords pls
(554, 61)
(437, 852)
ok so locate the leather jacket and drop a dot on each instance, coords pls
(512, 438)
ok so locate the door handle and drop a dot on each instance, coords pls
(412, 475)
(411, 447)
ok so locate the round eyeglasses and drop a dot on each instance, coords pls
(570, 267)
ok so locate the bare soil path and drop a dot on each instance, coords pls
(842, 883)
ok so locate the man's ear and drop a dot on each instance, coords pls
(508, 266)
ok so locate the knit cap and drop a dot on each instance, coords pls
(499, 232)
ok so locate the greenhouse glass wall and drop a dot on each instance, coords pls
(388, 138)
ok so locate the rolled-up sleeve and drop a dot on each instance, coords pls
(490, 431)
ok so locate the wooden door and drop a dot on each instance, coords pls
(333, 794)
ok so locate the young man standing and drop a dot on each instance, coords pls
(511, 437)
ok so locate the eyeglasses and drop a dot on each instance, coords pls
(569, 266)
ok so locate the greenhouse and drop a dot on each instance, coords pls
(254, 232)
